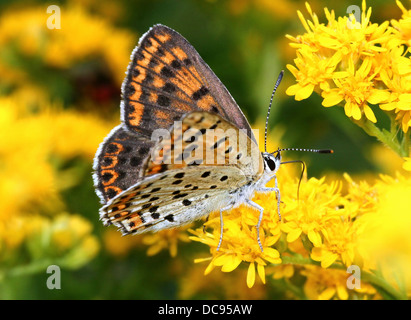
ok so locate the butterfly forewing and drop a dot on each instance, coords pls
(166, 79)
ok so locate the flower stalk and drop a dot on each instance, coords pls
(388, 138)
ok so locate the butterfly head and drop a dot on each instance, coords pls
(271, 162)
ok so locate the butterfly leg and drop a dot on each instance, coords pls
(222, 224)
(277, 194)
(260, 218)
(206, 220)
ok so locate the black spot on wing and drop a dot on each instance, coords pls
(179, 175)
(166, 72)
(169, 217)
(205, 174)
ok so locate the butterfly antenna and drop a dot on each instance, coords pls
(306, 150)
(269, 108)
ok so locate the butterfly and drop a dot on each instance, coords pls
(165, 165)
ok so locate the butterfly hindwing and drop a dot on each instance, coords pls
(119, 162)
(166, 79)
(171, 199)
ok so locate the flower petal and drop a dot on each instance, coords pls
(388, 106)
(369, 114)
(209, 268)
(292, 90)
(328, 259)
(304, 92)
(407, 164)
(327, 294)
(356, 112)
(293, 235)
(251, 275)
(405, 102)
(378, 96)
(315, 238)
(261, 272)
(231, 263)
(342, 292)
(316, 254)
(348, 109)
(292, 69)
(331, 99)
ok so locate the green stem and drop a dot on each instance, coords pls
(406, 144)
(387, 138)
(29, 269)
(383, 286)
(376, 281)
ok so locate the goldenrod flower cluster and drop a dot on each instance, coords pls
(61, 48)
(32, 213)
(360, 66)
(328, 228)
(43, 141)
(333, 225)
(359, 63)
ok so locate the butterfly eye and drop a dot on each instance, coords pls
(271, 163)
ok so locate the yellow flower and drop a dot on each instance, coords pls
(217, 285)
(65, 238)
(357, 90)
(117, 245)
(400, 99)
(318, 204)
(403, 25)
(385, 159)
(283, 271)
(385, 242)
(164, 239)
(34, 144)
(73, 43)
(339, 243)
(361, 198)
(28, 178)
(88, 129)
(240, 241)
(312, 71)
(12, 233)
(68, 229)
(70, 239)
(353, 64)
(326, 284)
(407, 164)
